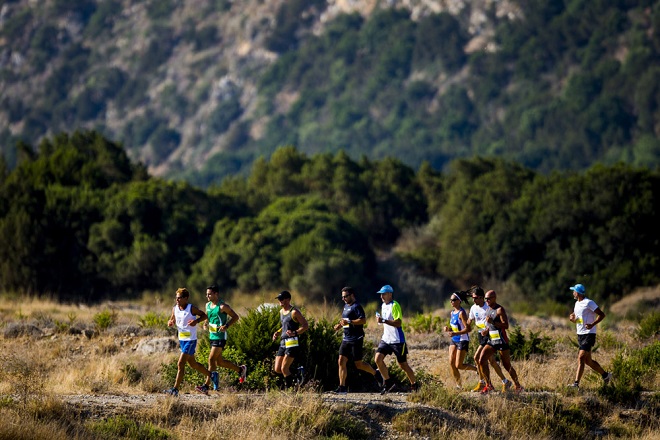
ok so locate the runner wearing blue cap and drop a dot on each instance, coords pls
(586, 315)
(393, 340)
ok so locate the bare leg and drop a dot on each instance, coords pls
(343, 370)
(409, 371)
(380, 362)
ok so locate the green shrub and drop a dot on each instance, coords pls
(121, 427)
(632, 369)
(421, 323)
(649, 326)
(153, 320)
(105, 319)
(523, 347)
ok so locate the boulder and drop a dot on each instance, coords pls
(156, 345)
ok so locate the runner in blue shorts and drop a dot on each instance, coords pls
(186, 317)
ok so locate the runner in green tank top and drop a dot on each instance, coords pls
(220, 317)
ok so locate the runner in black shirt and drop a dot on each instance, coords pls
(352, 321)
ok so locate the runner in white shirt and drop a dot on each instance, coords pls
(586, 315)
(186, 317)
(393, 340)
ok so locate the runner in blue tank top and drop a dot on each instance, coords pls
(459, 330)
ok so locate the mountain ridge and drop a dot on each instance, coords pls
(178, 83)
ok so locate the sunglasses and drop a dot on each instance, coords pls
(487, 298)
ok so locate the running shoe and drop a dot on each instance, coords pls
(506, 386)
(301, 376)
(479, 386)
(242, 374)
(379, 379)
(172, 392)
(215, 380)
(414, 387)
(388, 387)
(341, 390)
(487, 389)
(575, 385)
(204, 389)
(607, 378)
(519, 389)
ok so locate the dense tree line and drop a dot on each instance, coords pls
(79, 220)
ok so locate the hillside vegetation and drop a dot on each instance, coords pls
(79, 221)
(200, 89)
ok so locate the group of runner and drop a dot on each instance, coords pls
(489, 317)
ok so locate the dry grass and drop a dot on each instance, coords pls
(106, 363)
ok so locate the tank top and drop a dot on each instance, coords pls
(217, 319)
(186, 332)
(288, 323)
(496, 335)
(457, 325)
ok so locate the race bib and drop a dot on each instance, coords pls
(184, 334)
(579, 321)
(481, 326)
(291, 342)
(454, 328)
(213, 328)
(495, 336)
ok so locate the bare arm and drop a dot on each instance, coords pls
(201, 316)
(601, 316)
(466, 324)
(225, 308)
(300, 319)
(504, 324)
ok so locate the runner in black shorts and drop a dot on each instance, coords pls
(393, 340)
(586, 315)
(497, 324)
(293, 325)
(477, 316)
(352, 321)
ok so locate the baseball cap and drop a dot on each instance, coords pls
(283, 295)
(386, 289)
(579, 288)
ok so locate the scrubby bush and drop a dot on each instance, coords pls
(649, 326)
(421, 323)
(522, 347)
(105, 319)
(153, 320)
(632, 369)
